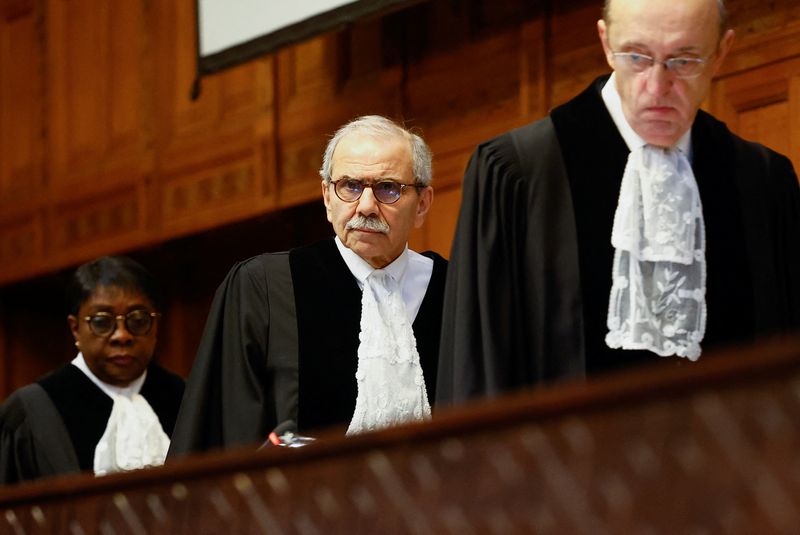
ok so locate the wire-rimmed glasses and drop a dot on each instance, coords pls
(682, 67)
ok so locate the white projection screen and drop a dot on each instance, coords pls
(233, 31)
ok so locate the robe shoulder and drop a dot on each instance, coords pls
(227, 401)
(34, 442)
(501, 329)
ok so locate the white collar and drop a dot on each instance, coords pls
(111, 390)
(361, 269)
(613, 103)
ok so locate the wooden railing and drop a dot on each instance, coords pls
(708, 448)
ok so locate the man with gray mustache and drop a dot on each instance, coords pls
(344, 331)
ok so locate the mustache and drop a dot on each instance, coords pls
(372, 224)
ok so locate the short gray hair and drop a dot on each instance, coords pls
(379, 126)
(723, 16)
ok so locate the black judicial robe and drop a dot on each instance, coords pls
(52, 426)
(530, 271)
(281, 343)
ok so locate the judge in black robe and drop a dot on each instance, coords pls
(66, 421)
(282, 338)
(530, 270)
(281, 343)
(52, 426)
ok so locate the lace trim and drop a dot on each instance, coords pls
(391, 385)
(657, 299)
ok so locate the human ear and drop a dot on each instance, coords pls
(423, 206)
(602, 31)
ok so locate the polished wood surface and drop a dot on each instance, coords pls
(704, 448)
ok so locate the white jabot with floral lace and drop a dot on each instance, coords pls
(657, 299)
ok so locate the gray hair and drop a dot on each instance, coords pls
(378, 126)
(723, 15)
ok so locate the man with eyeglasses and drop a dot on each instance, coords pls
(626, 228)
(341, 332)
(112, 408)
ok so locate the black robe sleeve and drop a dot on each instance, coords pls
(512, 306)
(770, 196)
(34, 442)
(234, 396)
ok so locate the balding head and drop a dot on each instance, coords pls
(721, 10)
(645, 41)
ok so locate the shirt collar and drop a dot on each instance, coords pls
(613, 103)
(111, 390)
(361, 269)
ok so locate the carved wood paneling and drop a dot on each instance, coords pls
(212, 195)
(217, 161)
(21, 95)
(107, 223)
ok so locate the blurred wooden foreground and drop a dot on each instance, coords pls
(709, 448)
(102, 151)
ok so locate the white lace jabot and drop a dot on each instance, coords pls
(657, 299)
(391, 386)
(133, 437)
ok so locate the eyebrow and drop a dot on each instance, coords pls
(108, 308)
(688, 49)
(370, 181)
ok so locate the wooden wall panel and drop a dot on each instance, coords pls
(762, 104)
(437, 233)
(217, 162)
(96, 225)
(574, 48)
(21, 94)
(98, 80)
(21, 243)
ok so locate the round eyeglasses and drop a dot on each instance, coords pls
(385, 191)
(680, 67)
(137, 322)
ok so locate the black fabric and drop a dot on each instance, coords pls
(33, 440)
(497, 273)
(80, 415)
(512, 307)
(231, 397)
(328, 303)
(226, 402)
(595, 172)
(83, 407)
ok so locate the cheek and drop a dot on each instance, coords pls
(340, 215)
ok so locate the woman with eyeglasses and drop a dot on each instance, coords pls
(111, 409)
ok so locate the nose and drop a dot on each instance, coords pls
(659, 79)
(367, 203)
(121, 335)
